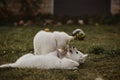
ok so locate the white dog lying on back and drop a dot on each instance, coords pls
(48, 61)
(46, 42)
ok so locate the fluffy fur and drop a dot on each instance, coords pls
(49, 61)
(74, 54)
(46, 42)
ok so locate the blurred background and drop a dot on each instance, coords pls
(20, 20)
(59, 12)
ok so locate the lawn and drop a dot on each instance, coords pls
(102, 43)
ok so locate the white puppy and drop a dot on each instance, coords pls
(46, 42)
(43, 62)
(73, 54)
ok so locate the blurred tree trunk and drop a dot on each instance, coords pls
(28, 9)
(3, 10)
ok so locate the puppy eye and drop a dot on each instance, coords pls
(76, 52)
(71, 51)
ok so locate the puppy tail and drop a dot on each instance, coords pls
(7, 65)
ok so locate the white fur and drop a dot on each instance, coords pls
(43, 62)
(45, 42)
(75, 55)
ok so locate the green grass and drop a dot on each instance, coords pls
(102, 43)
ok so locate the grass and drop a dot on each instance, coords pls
(102, 43)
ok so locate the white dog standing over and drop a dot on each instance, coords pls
(46, 42)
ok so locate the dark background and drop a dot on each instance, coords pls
(81, 7)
